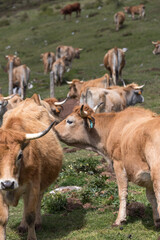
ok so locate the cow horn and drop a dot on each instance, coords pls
(31, 136)
(81, 81)
(139, 87)
(69, 82)
(80, 49)
(9, 97)
(60, 103)
(154, 43)
(82, 112)
(97, 106)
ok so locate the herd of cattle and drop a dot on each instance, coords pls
(30, 151)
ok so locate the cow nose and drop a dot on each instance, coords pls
(7, 185)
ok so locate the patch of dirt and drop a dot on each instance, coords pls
(151, 70)
(73, 203)
(70, 150)
(68, 107)
(136, 209)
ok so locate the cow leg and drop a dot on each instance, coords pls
(38, 221)
(22, 88)
(3, 217)
(122, 182)
(31, 199)
(156, 187)
(152, 199)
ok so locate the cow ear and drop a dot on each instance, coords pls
(90, 122)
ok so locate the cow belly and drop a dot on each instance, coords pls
(143, 179)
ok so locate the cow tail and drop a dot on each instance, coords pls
(59, 52)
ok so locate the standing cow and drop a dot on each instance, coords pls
(29, 163)
(139, 9)
(114, 98)
(69, 52)
(68, 9)
(18, 76)
(157, 47)
(119, 19)
(48, 60)
(130, 139)
(114, 61)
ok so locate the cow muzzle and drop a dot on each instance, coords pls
(8, 185)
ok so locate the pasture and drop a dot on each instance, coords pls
(35, 30)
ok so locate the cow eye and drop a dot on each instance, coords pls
(69, 122)
(20, 155)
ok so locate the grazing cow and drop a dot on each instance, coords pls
(157, 47)
(114, 98)
(119, 19)
(140, 10)
(48, 60)
(77, 86)
(7, 103)
(58, 70)
(130, 139)
(68, 9)
(18, 76)
(69, 52)
(29, 164)
(114, 61)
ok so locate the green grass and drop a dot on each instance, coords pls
(27, 32)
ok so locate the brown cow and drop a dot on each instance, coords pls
(68, 9)
(130, 139)
(140, 10)
(119, 19)
(157, 47)
(114, 61)
(114, 98)
(28, 165)
(19, 76)
(77, 86)
(48, 60)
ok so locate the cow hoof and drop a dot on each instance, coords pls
(119, 224)
(22, 230)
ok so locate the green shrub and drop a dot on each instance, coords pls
(4, 22)
(54, 202)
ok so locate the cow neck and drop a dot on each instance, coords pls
(103, 125)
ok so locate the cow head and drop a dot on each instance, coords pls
(56, 107)
(157, 47)
(77, 52)
(76, 128)
(126, 9)
(12, 149)
(74, 88)
(134, 94)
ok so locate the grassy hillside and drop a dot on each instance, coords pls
(32, 31)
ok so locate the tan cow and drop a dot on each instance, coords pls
(7, 103)
(119, 19)
(69, 52)
(157, 47)
(68, 9)
(58, 69)
(77, 86)
(28, 163)
(48, 59)
(114, 61)
(114, 98)
(18, 77)
(130, 139)
(140, 10)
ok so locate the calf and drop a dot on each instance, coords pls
(157, 47)
(140, 10)
(48, 60)
(68, 9)
(28, 163)
(119, 19)
(114, 98)
(77, 86)
(114, 61)
(130, 139)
